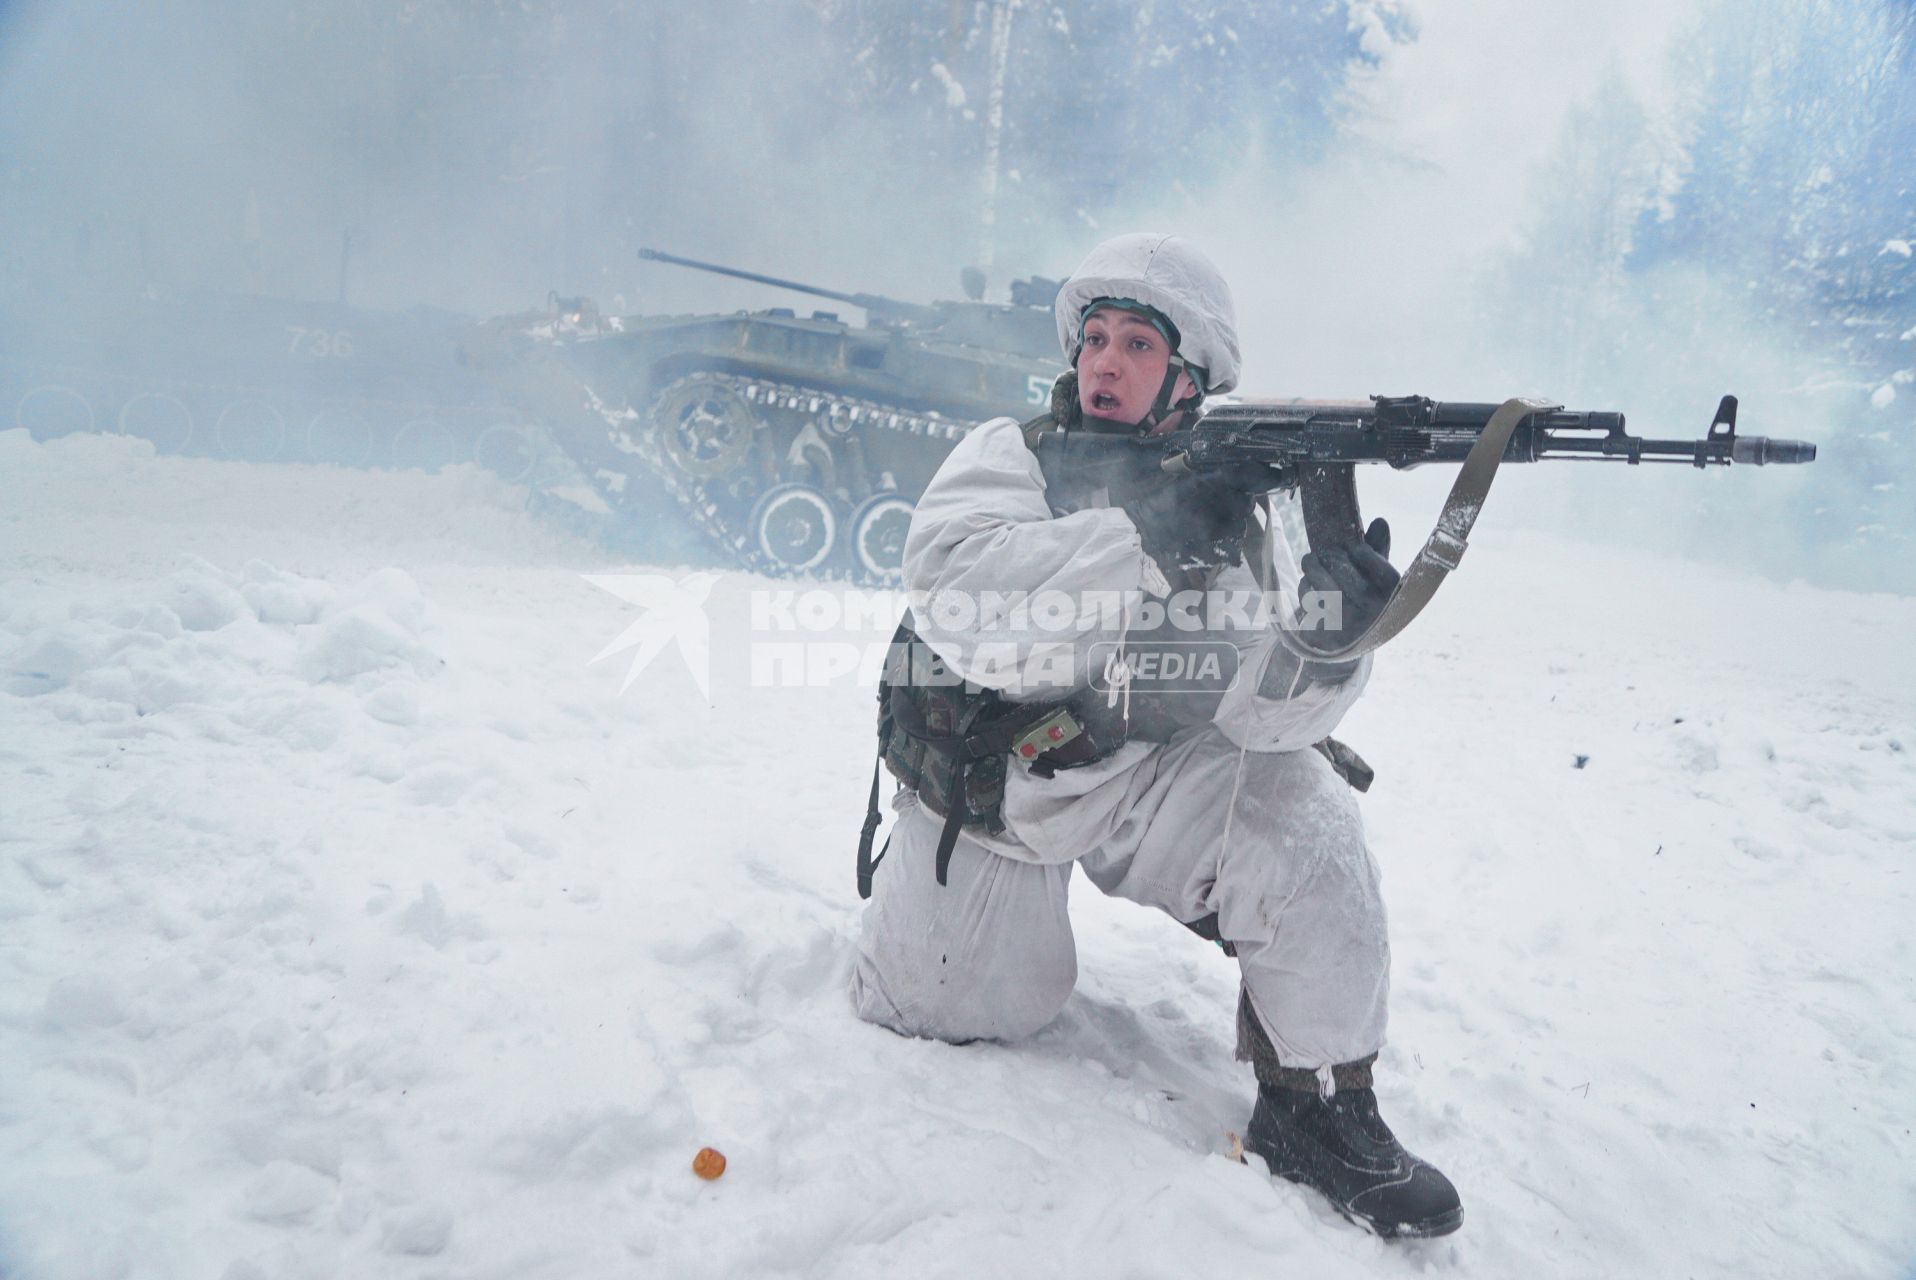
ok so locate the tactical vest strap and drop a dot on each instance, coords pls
(948, 837)
(866, 863)
(1036, 427)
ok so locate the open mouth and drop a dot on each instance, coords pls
(1103, 402)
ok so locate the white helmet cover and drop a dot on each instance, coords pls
(1166, 272)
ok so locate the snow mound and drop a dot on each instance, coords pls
(353, 923)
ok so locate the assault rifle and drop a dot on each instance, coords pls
(1312, 447)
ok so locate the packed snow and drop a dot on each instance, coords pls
(354, 922)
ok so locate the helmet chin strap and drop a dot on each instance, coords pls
(1162, 407)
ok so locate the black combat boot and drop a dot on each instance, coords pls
(1342, 1147)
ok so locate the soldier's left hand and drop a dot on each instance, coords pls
(1361, 573)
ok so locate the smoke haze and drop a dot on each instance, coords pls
(1463, 200)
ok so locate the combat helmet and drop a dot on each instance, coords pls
(1169, 282)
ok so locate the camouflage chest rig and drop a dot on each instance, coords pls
(953, 742)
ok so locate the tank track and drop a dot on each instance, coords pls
(720, 507)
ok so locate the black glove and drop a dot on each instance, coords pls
(1362, 573)
(1196, 520)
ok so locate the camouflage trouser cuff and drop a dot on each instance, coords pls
(1254, 1046)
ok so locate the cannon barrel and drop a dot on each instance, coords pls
(880, 308)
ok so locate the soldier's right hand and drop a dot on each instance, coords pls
(1195, 520)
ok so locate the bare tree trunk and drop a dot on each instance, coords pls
(994, 130)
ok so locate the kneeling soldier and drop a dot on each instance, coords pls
(1211, 806)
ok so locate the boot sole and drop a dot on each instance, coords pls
(1441, 1225)
(1430, 1228)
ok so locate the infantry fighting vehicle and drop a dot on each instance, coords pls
(263, 380)
(797, 443)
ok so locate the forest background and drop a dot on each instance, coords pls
(1641, 207)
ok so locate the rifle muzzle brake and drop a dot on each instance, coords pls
(1761, 451)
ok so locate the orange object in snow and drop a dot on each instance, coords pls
(708, 1164)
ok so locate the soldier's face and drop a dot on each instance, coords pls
(1121, 367)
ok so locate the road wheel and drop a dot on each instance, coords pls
(160, 418)
(794, 528)
(250, 431)
(52, 411)
(878, 529)
(704, 427)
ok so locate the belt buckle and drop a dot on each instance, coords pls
(1445, 549)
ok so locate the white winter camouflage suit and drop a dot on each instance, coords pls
(1238, 817)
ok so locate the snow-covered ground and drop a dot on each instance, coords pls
(353, 923)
